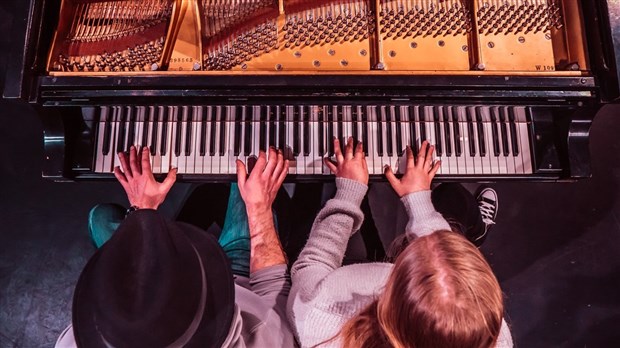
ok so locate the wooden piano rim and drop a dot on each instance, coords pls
(324, 73)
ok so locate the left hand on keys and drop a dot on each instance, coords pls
(136, 177)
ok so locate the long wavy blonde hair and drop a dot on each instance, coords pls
(441, 293)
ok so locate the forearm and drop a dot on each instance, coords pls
(331, 230)
(423, 218)
(265, 247)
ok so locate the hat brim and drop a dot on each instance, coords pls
(219, 307)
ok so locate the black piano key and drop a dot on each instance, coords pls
(330, 130)
(282, 128)
(296, 136)
(340, 122)
(305, 115)
(364, 118)
(262, 141)
(131, 131)
(472, 136)
(320, 121)
(503, 120)
(513, 132)
(399, 134)
(423, 119)
(437, 125)
(458, 149)
(154, 131)
(203, 132)
(247, 139)
(107, 131)
(379, 136)
(237, 131)
(389, 136)
(495, 135)
(223, 140)
(412, 131)
(213, 122)
(120, 140)
(272, 125)
(188, 131)
(145, 127)
(481, 136)
(165, 111)
(179, 132)
(354, 126)
(447, 134)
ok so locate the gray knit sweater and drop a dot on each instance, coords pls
(324, 294)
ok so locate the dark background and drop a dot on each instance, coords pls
(555, 250)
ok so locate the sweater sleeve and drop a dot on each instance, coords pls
(332, 228)
(505, 337)
(272, 284)
(423, 218)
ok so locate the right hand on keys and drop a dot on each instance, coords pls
(419, 173)
(350, 165)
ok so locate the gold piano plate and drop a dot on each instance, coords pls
(450, 37)
(294, 37)
(516, 34)
(424, 35)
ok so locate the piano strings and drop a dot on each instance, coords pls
(124, 36)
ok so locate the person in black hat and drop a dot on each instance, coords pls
(158, 283)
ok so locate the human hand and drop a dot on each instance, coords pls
(352, 165)
(260, 188)
(418, 175)
(136, 177)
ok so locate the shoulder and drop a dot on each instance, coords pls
(318, 314)
(258, 324)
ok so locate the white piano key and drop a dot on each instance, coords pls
(140, 112)
(181, 160)
(512, 162)
(157, 133)
(216, 160)
(207, 160)
(177, 130)
(524, 141)
(392, 160)
(374, 162)
(290, 141)
(301, 159)
(448, 160)
(461, 161)
(197, 163)
(103, 162)
(229, 158)
(494, 164)
(470, 161)
(168, 139)
(117, 127)
(503, 161)
(256, 118)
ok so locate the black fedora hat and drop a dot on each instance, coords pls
(155, 283)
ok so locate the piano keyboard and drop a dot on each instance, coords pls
(469, 140)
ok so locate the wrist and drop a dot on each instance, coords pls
(258, 209)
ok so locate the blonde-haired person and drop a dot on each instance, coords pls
(440, 292)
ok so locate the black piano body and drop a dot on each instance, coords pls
(486, 126)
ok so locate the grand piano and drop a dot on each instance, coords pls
(505, 89)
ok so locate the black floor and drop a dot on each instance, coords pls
(556, 248)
